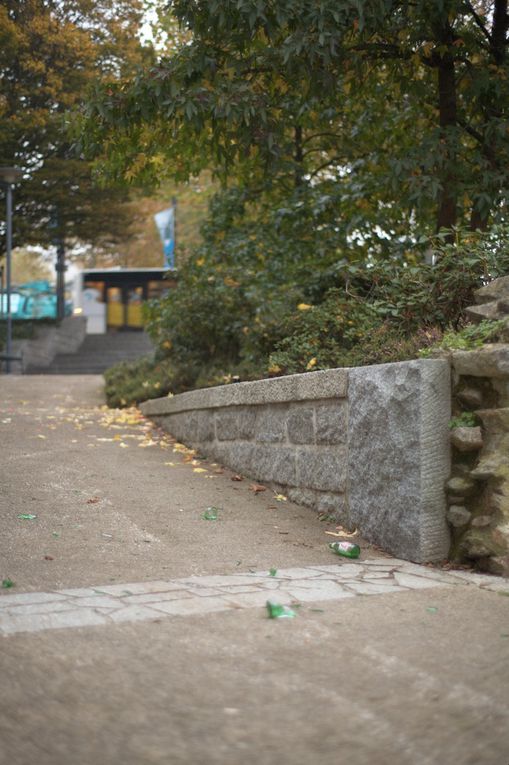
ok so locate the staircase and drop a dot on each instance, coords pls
(97, 353)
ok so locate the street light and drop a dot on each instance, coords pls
(9, 176)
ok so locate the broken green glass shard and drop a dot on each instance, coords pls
(277, 611)
(27, 516)
(210, 514)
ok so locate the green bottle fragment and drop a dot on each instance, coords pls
(210, 514)
(277, 611)
(27, 516)
(346, 549)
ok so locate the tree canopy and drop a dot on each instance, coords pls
(403, 106)
(50, 52)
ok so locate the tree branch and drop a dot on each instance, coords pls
(478, 20)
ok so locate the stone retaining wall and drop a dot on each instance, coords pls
(368, 445)
(478, 490)
(47, 342)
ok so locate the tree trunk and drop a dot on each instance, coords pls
(448, 205)
(499, 31)
(298, 157)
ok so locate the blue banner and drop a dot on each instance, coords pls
(165, 222)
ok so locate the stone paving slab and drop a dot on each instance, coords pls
(199, 595)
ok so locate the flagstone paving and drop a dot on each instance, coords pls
(198, 595)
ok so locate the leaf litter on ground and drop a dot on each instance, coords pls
(257, 487)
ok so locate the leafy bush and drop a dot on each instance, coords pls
(277, 290)
(469, 337)
(464, 420)
(128, 383)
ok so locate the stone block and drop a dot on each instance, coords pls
(482, 520)
(399, 456)
(334, 505)
(467, 439)
(300, 426)
(323, 469)
(270, 425)
(497, 289)
(237, 455)
(490, 360)
(461, 486)
(457, 515)
(472, 397)
(324, 384)
(235, 424)
(331, 423)
(274, 463)
(479, 543)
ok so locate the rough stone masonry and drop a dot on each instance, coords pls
(368, 445)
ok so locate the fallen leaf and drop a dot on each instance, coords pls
(199, 470)
(171, 464)
(93, 500)
(280, 497)
(124, 446)
(41, 436)
(343, 533)
(48, 557)
(257, 487)
(234, 477)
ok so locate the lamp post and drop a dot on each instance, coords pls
(8, 176)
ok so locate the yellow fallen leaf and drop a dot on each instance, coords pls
(353, 533)
(280, 497)
(304, 307)
(124, 446)
(41, 436)
(229, 282)
(311, 363)
(171, 464)
(199, 470)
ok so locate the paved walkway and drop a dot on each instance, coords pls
(199, 595)
(136, 630)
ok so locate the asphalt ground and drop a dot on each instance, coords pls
(406, 677)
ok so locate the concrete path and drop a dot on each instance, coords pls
(136, 630)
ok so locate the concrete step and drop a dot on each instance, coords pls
(98, 353)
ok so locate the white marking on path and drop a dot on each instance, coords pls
(199, 595)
